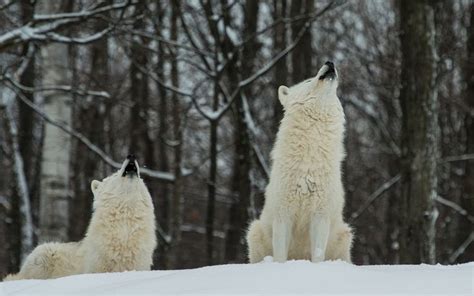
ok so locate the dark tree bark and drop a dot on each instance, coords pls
(25, 139)
(26, 115)
(211, 183)
(90, 121)
(239, 210)
(281, 68)
(162, 204)
(418, 97)
(220, 46)
(467, 198)
(4, 251)
(302, 55)
(140, 141)
(176, 203)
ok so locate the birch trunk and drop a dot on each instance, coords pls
(54, 192)
(26, 220)
(418, 98)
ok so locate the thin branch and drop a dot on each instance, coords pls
(48, 24)
(155, 37)
(377, 193)
(6, 5)
(82, 14)
(63, 88)
(455, 207)
(373, 116)
(54, 37)
(165, 176)
(276, 59)
(461, 157)
(250, 124)
(459, 251)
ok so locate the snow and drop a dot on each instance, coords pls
(266, 278)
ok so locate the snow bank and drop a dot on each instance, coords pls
(268, 278)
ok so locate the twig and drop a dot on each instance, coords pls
(455, 207)
(48, 24)
(462, 248)
(82, 14)
(383, 188)
(165, 176)
(461, 157)
(63, 88)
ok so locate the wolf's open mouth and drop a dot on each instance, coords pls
(330, 72)
(131, 168)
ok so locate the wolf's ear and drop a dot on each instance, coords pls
(283, 93)
(94, 185)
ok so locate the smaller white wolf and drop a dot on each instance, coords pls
(120, 236)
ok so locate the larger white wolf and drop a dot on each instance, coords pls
(304, 200)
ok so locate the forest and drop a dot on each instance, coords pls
(191, 89)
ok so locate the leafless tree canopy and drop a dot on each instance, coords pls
(190, 87)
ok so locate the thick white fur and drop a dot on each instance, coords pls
(304, 200)
(120, 236)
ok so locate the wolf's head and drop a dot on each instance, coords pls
(125, 184)
(315, 98)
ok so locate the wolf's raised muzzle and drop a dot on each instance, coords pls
(330, 71)
(131, 168)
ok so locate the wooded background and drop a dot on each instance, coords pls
(190, 87)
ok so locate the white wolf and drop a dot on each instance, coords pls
(120, 236)
(304, 200)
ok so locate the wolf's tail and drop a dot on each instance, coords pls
(13, 277)
(258, 242)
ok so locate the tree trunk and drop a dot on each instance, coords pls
(302, 55)
(55, 192)
(467, 199)
(90, 121)
(26, 115)
(26, 220)
(211, 190)
(418, 98)
(281, 69)
(176, 203)
(162, 200)
(140, 140)
(235, 249)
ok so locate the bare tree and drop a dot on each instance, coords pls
(467, 198)
(55, 187)
(176, 203)
(281, 68)
(302, 56)
(239, 210)
(90, 116)
(418, 97)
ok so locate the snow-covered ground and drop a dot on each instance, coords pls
(268, 278)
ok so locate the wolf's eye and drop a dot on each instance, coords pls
(308, 81)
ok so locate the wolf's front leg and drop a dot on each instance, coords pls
(319, 234)
(281, 239)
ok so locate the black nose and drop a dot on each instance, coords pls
(329, 64)
(130, 169)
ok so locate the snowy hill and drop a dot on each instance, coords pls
(294, 277)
